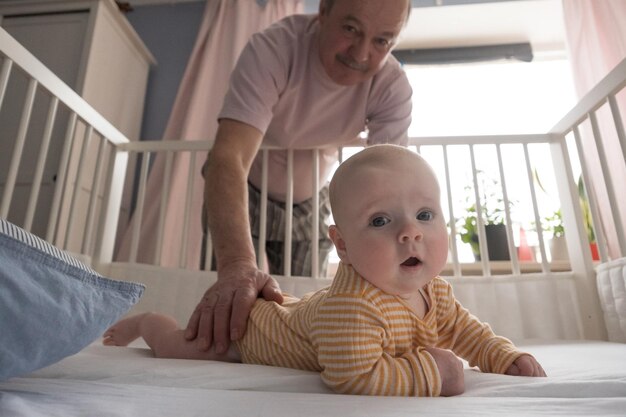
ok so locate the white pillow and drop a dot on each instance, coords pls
(51, 305)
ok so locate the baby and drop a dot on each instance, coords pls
(388, 325)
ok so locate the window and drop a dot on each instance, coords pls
(489, 99)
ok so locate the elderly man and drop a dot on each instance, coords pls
(308, 80)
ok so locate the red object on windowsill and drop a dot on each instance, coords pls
(524, 252)
(594, 251)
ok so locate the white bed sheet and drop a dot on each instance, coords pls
(585, 378)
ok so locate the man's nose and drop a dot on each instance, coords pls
(359, 51)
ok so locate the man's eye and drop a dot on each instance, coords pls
(425, 215)
(379, 221)
(384, 43)
(349, 29)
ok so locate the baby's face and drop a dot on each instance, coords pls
(393, 227)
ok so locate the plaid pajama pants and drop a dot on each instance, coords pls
(301, 235)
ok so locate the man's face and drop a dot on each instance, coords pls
(356, 37)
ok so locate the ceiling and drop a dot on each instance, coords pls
(458, 23)
(538, 22)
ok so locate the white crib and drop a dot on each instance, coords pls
(544, 299)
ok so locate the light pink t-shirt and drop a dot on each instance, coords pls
(280, 87)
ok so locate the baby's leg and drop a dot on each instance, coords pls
(164, 337)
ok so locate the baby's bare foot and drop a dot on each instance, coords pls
(123, 332)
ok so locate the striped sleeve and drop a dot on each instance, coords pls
(351, 336)
(468, 337)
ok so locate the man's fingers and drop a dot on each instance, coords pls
(205, 312)
(222, 314)
(192, 325)
(243, 301)
(221, 322)
(271, 291)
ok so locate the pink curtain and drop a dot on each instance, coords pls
(226, 27)
(596, 36)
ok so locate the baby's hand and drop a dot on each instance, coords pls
(450, 370)
(525, 365)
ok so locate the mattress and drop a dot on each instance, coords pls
(584, 378)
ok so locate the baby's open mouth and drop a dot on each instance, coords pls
(412, 261)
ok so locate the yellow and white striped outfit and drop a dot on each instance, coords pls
(364, 341)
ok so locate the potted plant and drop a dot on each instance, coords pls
(492, 207)
(553, 224)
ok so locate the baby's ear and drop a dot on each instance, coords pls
(335, 235)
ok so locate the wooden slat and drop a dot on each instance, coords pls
(90, 223)
(138, 214)
(41, 163)
(533, 196)
(261, 253)
(315, 224)
(7, 65)
(18, 149)
(182, 258)
(608, 180)
(507, 214)
(288, 214)
(61, 176)
(77, 186)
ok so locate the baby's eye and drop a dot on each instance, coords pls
(379, 221)
(425, 215)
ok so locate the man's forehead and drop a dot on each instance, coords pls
(382, 12)
(390, 29)
(385, 12)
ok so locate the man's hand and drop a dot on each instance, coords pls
(221, 316)
(450, 370)
(525, 365)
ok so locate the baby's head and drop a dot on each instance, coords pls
(389, 223)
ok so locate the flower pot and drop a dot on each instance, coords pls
(558, 248)
(497, 245)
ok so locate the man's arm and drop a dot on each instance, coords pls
(222, 313)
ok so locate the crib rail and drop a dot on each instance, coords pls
(149, 151)
(72, 126)
(599, 114)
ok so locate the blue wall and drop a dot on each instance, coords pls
(169, 32)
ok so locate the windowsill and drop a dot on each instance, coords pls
(497, 268)
(505, 268)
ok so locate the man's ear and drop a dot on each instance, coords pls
(335, 235)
